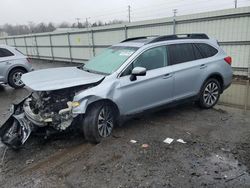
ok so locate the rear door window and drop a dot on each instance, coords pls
(5, 53)
(206, 50)
(180, 53)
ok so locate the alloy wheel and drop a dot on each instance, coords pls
(17, 78)
(105, 122)
(211, 93)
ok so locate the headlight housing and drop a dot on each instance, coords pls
(75, 104)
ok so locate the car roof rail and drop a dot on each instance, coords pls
(180, 36)
(138, 38)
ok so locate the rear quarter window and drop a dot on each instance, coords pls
(206, 50)
(5, 53)
(180, 53)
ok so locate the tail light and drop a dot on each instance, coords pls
(28, 59)
(228, 59)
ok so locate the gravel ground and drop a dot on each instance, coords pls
(216, 152)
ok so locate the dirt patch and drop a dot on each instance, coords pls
(209, 158)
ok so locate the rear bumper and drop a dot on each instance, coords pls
(226, 86)
(227, 79)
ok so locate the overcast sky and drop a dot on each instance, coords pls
(57, 11)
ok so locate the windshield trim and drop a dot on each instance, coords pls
(135, 49)
(91, 71)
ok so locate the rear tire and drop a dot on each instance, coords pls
(210, 93)
(14, 78)
(98, 122)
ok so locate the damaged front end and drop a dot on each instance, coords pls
(49, 109)
(45, 109)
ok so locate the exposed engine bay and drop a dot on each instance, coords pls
(43, 109)
(50, 108)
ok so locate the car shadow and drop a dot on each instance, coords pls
(2, 88)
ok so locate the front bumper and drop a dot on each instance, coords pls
(13, 109)
(17, 128)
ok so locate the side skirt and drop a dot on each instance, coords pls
(125, 118)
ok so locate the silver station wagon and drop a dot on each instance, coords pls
(131, 77)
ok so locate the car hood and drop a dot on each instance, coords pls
(59, 78)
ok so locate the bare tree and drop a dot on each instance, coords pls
(64, 25)
(31, 27)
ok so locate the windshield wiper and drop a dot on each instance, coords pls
(83, 68)
(91, 71)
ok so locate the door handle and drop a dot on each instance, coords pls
(166, 76)
(203, 66)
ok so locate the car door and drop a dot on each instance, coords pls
(4, 57)
(188, 69)
(151, 90)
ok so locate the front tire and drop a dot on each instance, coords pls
(210, 93)
(98, 122)
(15, 78)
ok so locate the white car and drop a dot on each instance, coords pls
(13, 64)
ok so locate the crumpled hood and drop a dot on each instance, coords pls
(59, 78)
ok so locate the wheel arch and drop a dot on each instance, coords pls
(106, 101)
(216, 76)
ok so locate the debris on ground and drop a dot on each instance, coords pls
(236, 177)
(116, 136)
(168, 140)
(29, 161)
(144, 145)
(181, 141)
(195, 174)
(133, 141)
(219, 157)
(226, 150)
(224, 118)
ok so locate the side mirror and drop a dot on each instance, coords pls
(138, 71)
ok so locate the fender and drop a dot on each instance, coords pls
(84, 103)
(215, 75)
(85, 98)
